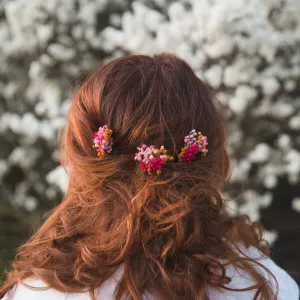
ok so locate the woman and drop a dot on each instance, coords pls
(143, 217)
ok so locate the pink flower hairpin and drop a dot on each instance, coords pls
(152, 159)
(194, 143)
(103, 141)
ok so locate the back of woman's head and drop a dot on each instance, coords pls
(144, 100)
(168, 233)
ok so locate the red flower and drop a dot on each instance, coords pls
(156, 164)
(190, 154)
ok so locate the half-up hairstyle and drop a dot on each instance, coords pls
(170, 234)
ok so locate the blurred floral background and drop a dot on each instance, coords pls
(248, 51)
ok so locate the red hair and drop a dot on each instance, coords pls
(171, 234)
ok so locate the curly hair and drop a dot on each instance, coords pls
(172, 234)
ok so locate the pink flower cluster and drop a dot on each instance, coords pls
(103, 141)
(194, 143)
(151, 159)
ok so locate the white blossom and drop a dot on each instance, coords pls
(284, 141)
(296, 204)
(60, 52)
(282, 109)
(59, 178)
(295, 122)
(270, 86)
(240, 170)
(213, 76)
(271, 236)
(292, 165)
(30, 203)
(252, 203)
(261, 153)
(270, 181)
(3, 168)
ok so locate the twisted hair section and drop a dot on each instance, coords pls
(170, 235)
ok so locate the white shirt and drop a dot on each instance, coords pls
(288, 289)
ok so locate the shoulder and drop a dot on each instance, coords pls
(36, 289)
(287, 287)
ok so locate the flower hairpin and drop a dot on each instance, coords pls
(194, 143)
(103, 141)
(152, 159)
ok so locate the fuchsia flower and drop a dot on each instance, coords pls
(194, 143)
(103, 141)
(152, 159)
